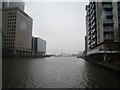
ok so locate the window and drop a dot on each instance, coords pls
(108, 36)
(108, 20)
(107, 13)
(108, 28)
(108, 5)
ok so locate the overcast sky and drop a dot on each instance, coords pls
(61, 24)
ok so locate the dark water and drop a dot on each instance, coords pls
(56, 72)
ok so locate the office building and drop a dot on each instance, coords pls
(38, 46)
(17, 31)
(103, 30)
(5, 4)
(13, 4)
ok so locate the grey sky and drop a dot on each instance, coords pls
(61, 24)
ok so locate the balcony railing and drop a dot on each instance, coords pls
(93, 37)
(93, 18)
(89, 37)
(93, 31)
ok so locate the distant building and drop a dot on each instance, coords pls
(17, 31)
(5, 4)
(103, 30)
(38, 46)
(13, 4)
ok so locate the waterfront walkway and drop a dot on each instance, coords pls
(112, 66)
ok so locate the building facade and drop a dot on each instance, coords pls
(38, 46)
(16, 31)
(103, 30)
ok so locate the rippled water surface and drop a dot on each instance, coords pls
(56, 72)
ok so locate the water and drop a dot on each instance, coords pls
(56, 72)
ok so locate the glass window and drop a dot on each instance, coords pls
(107, 5)
(108, 36)
(107, 13)
(108, 20)
(108, 28)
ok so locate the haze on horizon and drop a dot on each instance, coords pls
(61, 24)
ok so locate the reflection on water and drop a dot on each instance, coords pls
(56, 72)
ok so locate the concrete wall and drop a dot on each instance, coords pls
(115, 19)
(100, 18)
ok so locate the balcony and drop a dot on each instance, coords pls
(93, 6)
(89, 37)
(108, 39)
(89, 46)
(89, 33)
(93, 18)
(109, 21)
(89, 41)
(108, 30)
(93, 25)
(93, 12)
(93, 31)
(107, 6)
(93, 37)
(93, 44)
(109, 14)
